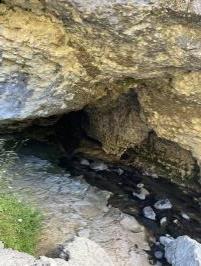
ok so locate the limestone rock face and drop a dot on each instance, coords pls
(60, 56)
(117, 125)
(172, 109)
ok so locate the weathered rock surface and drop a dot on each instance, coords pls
(60, 56)
(81, 251)
(117, 125)
(183, 251)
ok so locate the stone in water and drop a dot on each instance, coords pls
(185, 216)
(142, 195)
(163, 221)
(163, 204)
(85, 162)
(99, 166)
(149, 213)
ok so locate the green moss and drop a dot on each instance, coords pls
(20, 225)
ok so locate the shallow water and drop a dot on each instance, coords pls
(74, 199)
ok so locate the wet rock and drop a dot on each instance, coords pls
(142, 194)
(185, 216)
(163, 221)
(85, 162)
(183, 251)
(99, 166)
(131, 224)
(120, 171)
(163, 204)
(149, 213)
(140, 185)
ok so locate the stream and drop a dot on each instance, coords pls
(80, 198)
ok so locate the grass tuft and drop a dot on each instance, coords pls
(20, 225)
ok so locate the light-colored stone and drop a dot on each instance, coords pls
(163, 204)
(142, 194)
(183, 251)
(149, 213)
(99, 166)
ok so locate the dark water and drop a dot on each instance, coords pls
(13, 158)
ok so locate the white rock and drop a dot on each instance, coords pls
(149, 213)
(142, 195)
(163, 204)
(140, 185)
(131, 224)
(183, 251)
(163, 221)
(85, 162)
(185, 216)
(99, 166)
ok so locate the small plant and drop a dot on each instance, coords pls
(20, 225)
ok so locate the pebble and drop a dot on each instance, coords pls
(149, 213)
(185, 216)
(99, 166)
(163, 221)
(158, 254)
(142, 195)
(163, 204)
(140, 185)
(85, 162)
(120, 171)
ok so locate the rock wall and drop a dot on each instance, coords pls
(65, 55)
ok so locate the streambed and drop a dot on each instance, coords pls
(78, 200)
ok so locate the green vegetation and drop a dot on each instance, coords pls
(20, 225)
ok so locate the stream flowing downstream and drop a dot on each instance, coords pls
(80, 199)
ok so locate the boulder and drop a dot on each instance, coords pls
(183, 251)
